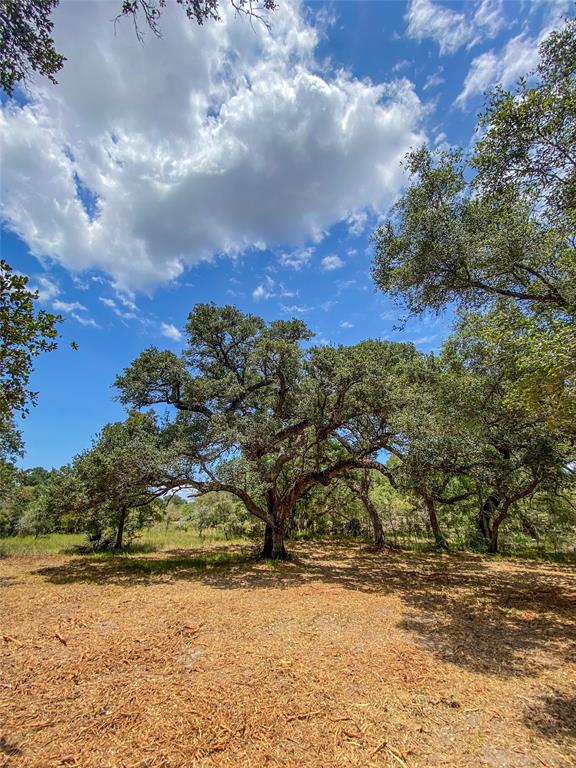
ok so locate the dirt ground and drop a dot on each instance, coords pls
(340, 658)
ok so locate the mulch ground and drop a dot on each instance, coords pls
(340, 658)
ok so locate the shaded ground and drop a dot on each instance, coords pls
(341, 658)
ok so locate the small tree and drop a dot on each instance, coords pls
(120, 477)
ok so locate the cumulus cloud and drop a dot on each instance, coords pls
(332, 262)
(170, 331)
(452, 29)
(148, 158)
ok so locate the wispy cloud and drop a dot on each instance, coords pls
(452, 29)
(269, 289)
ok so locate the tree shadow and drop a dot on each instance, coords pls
(125, 569)
(7, 748)
(554, 718)
(490, 617)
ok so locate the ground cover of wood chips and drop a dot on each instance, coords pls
(340, 658)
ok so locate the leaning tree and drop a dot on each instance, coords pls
(262, 416)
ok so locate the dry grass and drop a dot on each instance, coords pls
(340, 658)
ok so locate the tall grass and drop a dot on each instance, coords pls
(155, 539)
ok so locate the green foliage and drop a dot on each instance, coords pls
(530, 134)
(261, 417)
(114, 485)
(25, 333)
(507, 231)
(452, 241)
(26, 43)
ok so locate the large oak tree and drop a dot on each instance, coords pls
(265, 418)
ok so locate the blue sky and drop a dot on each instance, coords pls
(234, 165)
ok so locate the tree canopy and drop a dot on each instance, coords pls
(25, 333)
(501, 221)
(263, 418)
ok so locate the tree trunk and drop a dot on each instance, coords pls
(362, 489)
(378, 530)
(120, 531)
(439, 538)
(274, 534)
(266, 551)
(485, 518)
(493, 543)
(278, 548)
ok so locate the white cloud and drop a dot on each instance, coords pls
(332, 262)
(357, 223)
(170, 331)
(130, 314)
(47, 288)
(89, 321)
(68, 306)
(208, 141)
(452, 29)
(303, 309)
(346, 324)
(433, 81)
(519, 55)
(269, 290)
(48, 293)
(297, 259)
(261, 291)
(517, 58)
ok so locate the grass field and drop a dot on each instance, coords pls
(341, 657)
(149, 540)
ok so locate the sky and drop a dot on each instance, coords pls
(235, 164)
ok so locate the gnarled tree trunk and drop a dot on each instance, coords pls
(362, 489)
(266, 551)
(274, 539)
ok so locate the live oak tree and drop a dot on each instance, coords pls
(260, 416)
(502, 221)
(528, 136)
(512, 453)
(361, 483)
(496, 231)
(451, 242)
(113, 485)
